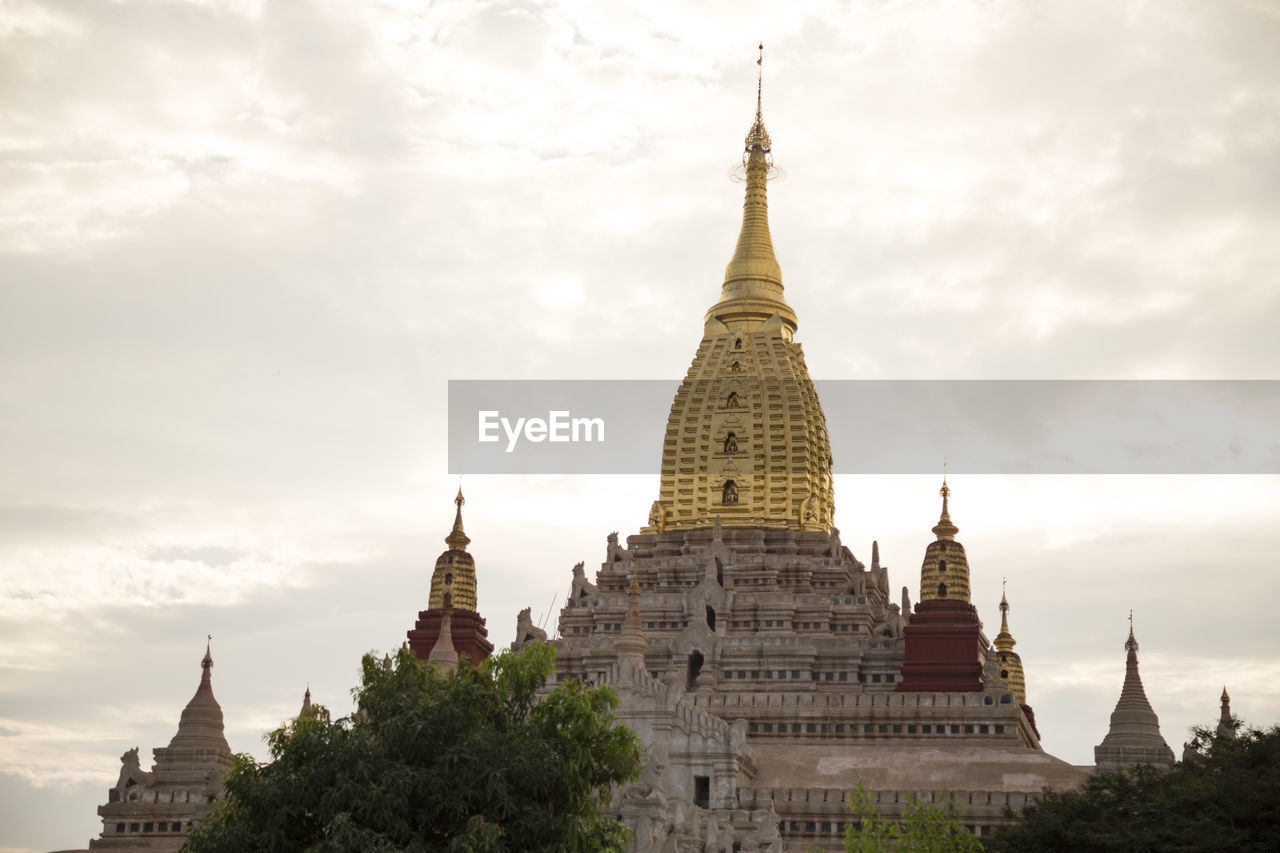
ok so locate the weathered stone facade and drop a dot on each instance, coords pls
(779, 646)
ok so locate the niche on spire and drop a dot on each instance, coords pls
(731, 442)
(729, 494)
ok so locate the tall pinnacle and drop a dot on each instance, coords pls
(1134, 736)
(200, 725)
(1226, 725)
(457, 538)
(944, 529)
(752, 291)
(631, 643)
(1004, 640)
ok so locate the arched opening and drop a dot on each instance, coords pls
(732, 400)
(731, 443)
(942, 565)
(942, 590)
(711, 617)
(448, 578)
(695, 669)
(729, 495)
(737, 367)
(737, 344)
(719, 572)
(448, 601)
(1004, 673)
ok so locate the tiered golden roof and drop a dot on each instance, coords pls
(455, 572)
(746, 439)
(944, 574)
(1010, 661)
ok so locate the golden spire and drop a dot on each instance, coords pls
(1004, 640)
(944, 529)
(746, 439)
(752, 291)
(453, 583)
(457, 539)
(1010, 662)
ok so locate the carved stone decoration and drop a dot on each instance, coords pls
(892, 624)
(526, 631)
(657, 517)
(581, 587)
(614, 553)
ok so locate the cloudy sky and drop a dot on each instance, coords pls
(244, 245)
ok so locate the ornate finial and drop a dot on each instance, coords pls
(1131, 644)
(634, 588)
(758, 137)
(944, 529)
(1004, 640)
(457, 539)
(760, 81)
(208, 656)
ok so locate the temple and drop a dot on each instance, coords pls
(155, 809)
(766, 669)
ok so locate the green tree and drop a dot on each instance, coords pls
(470, 761)
(923, 828)
(1226, 797)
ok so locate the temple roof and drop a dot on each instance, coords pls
(200, 726)
(1135, 728)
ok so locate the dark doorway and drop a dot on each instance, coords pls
(702, 792)
(695, 669)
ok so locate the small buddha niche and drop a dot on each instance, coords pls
(942, 590)
(732, 400)
(730, 493)
(731, 443)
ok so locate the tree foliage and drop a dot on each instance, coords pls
(466, 761)
(1225, 797)
(923, 828)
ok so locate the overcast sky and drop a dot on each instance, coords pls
(244, 245)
